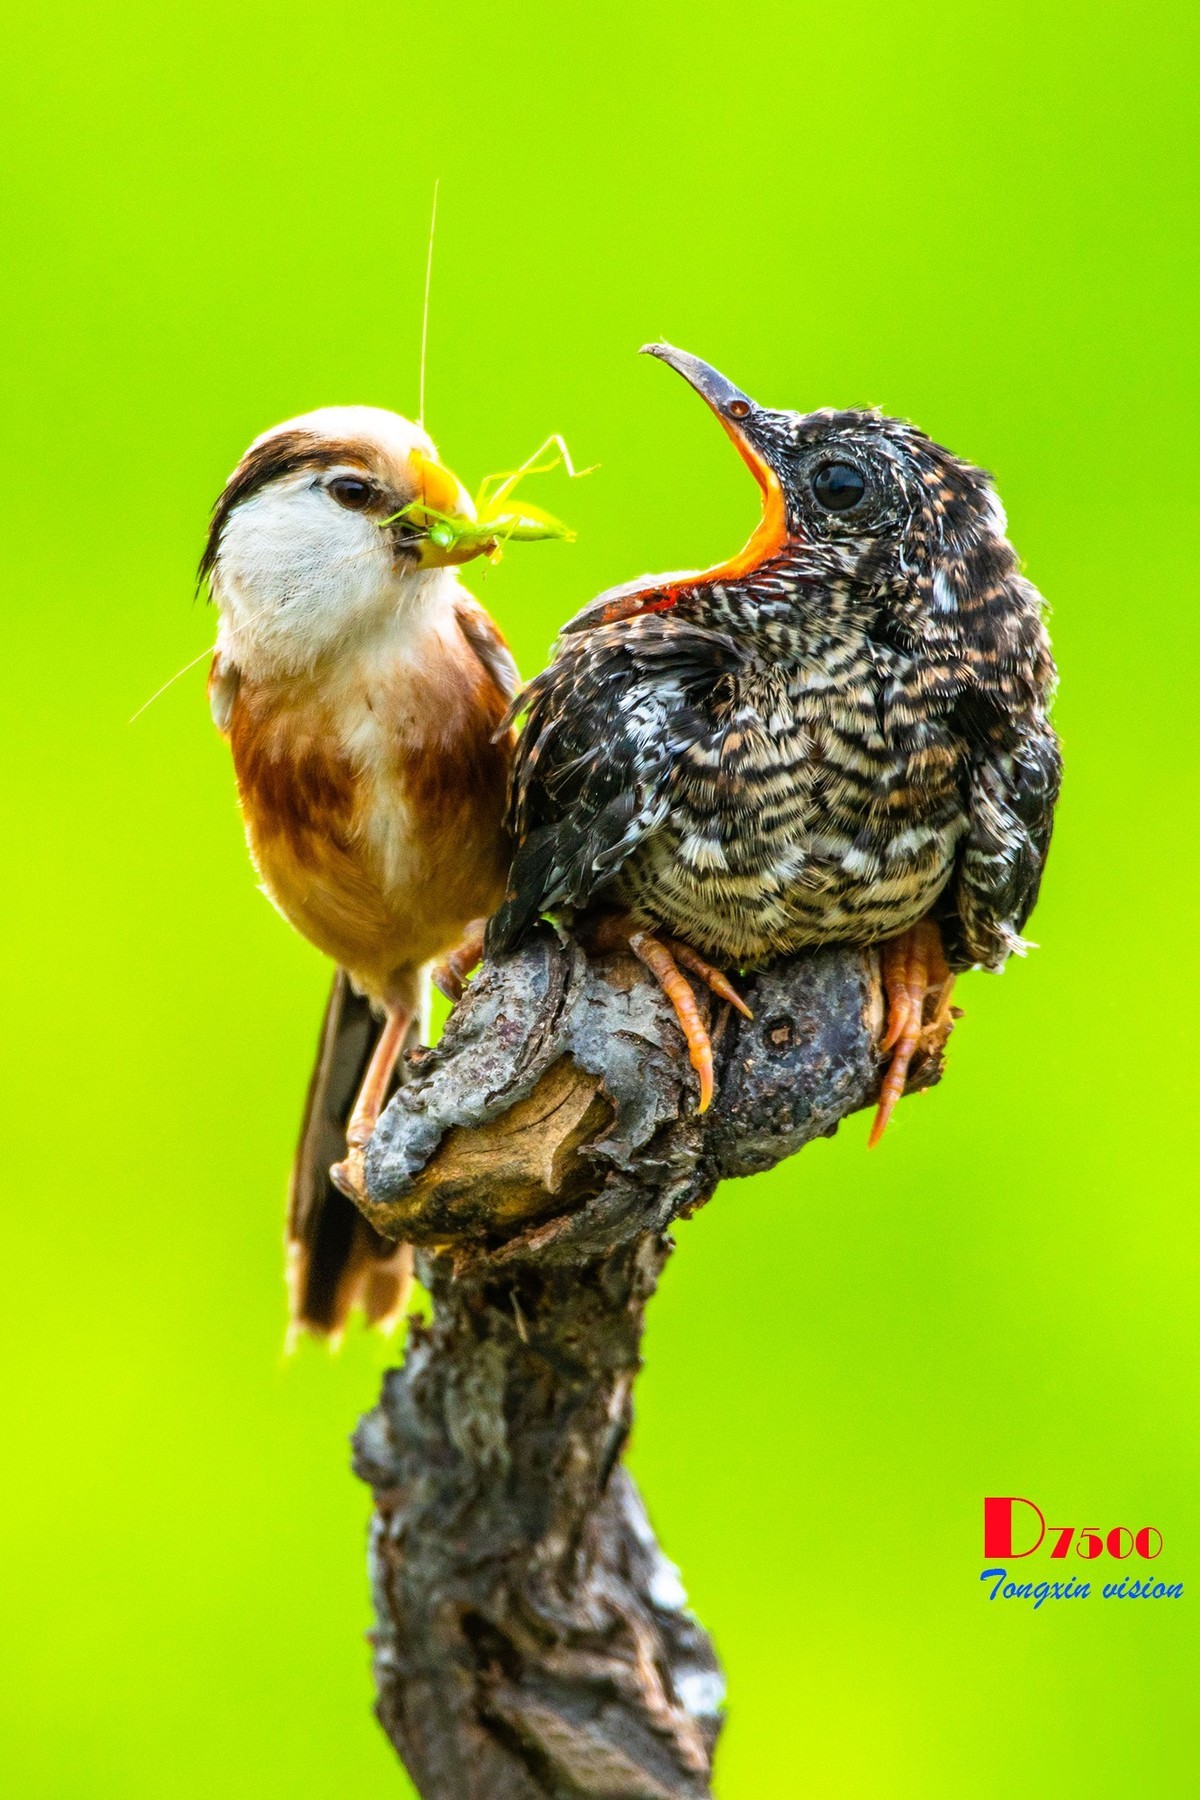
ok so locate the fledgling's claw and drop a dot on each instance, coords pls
(712, 978)
(918, 983)
(662, 965)
(662, 956)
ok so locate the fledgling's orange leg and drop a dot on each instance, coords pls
(918, 984)
(712, 978)
(348, 1176)
(675, 985)
(451, 973)
(662, 956)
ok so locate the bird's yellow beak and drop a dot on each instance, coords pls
(733, 407)
(444, 513)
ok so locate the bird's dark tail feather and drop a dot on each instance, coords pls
(531, 878)
(336, 1259)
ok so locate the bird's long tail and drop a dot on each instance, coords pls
(336, 1259)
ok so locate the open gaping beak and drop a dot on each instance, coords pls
(733, 408)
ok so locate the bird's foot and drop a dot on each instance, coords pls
(449, 975)
(663, 955)
(918, 983)
(349, 1176)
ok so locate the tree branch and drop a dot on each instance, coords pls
(532, 1640)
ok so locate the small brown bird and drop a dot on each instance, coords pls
(841, 735)
(363, 692)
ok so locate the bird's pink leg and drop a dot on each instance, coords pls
(918, 983)
(662, 955)
(348, 1176)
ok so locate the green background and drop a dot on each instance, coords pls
(978, 216)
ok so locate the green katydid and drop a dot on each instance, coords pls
(499, 518)
(496, 522)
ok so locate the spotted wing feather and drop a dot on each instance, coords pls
(1001, 858)
(594, 769)
(1012, 773)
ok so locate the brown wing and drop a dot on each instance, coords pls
(336, 1260)
(224, 679)
(483, 635)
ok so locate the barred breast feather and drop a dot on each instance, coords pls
(754, 792)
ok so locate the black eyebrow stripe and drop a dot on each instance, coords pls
(284, 453)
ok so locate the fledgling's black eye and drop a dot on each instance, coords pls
(350, 492)
(838, 486)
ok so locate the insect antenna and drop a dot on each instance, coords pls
(425, 308)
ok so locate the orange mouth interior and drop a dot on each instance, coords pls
(765, 541)
(770, 534)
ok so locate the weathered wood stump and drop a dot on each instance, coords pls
(531, 1639)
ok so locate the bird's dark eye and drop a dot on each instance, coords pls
(352, 493)
(838, 486)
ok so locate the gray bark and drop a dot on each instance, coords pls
(532, 1640)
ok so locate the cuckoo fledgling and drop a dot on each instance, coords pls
(839, 736)
(362, 691)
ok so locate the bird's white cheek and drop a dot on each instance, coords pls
(295, 573)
